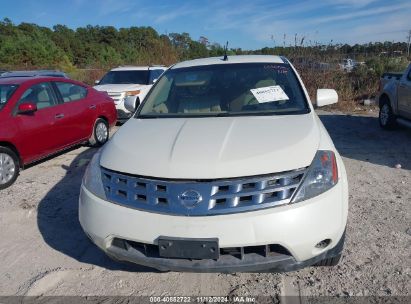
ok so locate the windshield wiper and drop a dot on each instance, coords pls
(183, 115)
(277, 113)
(224, 114)
(150, 116)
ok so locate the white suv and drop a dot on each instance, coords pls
(232, 171)
(128, 83)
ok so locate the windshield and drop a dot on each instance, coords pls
(225, 90)
(125, 77)
(6, 90)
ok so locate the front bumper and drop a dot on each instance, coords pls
(225, 264)
(295, 227)
(122, 113)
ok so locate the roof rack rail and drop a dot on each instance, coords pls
(135, 65)
(34, 73)
(127, 65)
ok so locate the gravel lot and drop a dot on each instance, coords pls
(44, 251)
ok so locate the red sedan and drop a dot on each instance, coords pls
(40, 116)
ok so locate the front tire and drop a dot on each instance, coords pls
(100, 133)
(386, 116)
(9, 167)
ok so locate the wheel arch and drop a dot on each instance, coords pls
(102, 117)
(389, 93)
(383, 98)
(12, 147)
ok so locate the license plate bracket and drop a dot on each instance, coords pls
(184, 248)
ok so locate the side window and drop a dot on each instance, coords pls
(159, 72)
(41, 94)
(71, 92)
(409, 75)
(155, 74)
(152, 76)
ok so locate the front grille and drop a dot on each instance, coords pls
(221, 196)
(116, 96)
(241, 253)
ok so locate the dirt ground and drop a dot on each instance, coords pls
(44, 251)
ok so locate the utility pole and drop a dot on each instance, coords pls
(409, 43)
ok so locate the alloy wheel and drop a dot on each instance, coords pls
(7, 168)
(101, 132)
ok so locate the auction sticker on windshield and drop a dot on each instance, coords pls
(268, 94)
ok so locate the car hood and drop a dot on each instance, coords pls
(119, 87)
(209, 148)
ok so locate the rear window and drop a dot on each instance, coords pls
(125, 77)
(71, 92)
(226, 90)
(6, 91)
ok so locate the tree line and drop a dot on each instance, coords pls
(28, 45)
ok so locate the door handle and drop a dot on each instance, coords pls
(58, 116)
(92, 107)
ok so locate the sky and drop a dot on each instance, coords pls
(246, 24)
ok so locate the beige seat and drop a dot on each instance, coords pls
(247, 98)
(75, 93)
(43, 100)
(160, 108)
(265, 83)
(201, 104)
(238, 103)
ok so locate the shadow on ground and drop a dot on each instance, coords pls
(361, 138)
(57, 219)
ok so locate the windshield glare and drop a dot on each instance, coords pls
(125, 77)
(6, 90)
(224, 90)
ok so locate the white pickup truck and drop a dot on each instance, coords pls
(395, 99)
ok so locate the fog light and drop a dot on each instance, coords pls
(323, 244)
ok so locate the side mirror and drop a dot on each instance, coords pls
(27, 108)
(96, 82)
(131, 103)
(326, 97)
(154, 80)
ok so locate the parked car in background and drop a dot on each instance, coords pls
(224, 167)
(2, 72)
(40, 116)
(395, 99)
(128, 83)
(34, 73)
(348, 65)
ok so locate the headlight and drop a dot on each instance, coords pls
(321, 176)
(92, 178)
(132, 93)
